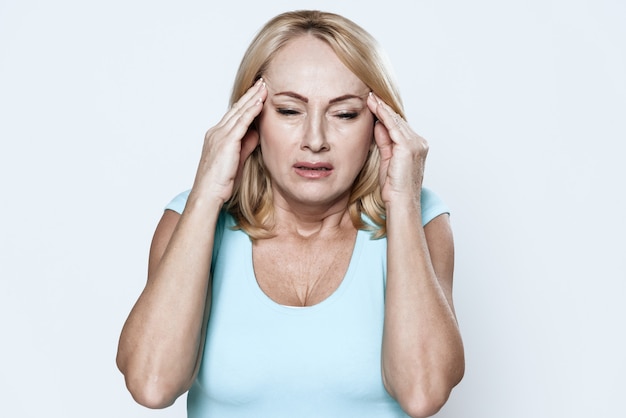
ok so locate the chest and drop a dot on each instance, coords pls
(262, 358)
(300, 273)
(258, 352)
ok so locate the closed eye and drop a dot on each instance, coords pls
(347, 115)
(287, 112)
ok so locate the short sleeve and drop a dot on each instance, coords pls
(178, 203)
(432, 206)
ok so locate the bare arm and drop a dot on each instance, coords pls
(422, 352)
(422, 349)
(161, 343)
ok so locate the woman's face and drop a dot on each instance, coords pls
(315, 128)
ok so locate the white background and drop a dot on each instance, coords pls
(103, 108)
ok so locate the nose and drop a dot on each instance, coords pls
(314, 135)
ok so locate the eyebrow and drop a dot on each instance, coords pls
(332, 101)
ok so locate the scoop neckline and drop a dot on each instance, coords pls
(253, 285)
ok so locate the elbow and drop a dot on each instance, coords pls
(421, 405)
(151, 393)
(422, 400)
(148, 388)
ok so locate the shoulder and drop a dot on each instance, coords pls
(432, 205)
(177, 204)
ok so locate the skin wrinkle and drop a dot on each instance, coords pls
(297, 96)
(306, 258)
(314, 125)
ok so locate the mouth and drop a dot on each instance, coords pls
(313, 166)
(313, 170)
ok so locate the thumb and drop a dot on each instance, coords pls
(248, 143)
(383, 140)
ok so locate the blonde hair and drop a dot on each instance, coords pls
(251, 202)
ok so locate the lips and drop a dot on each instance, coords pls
(318, 166)
(313, 170)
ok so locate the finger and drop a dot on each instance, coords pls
(248, 94)
(248, 98)
(248, 143)
(240, 122)
(237, 121)
(383, 140)
(385, 114)
(381, 133)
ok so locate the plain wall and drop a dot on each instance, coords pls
(103, 108)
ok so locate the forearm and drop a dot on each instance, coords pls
(422, 349)
(161, 341)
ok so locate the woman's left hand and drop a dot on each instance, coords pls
(402, 153)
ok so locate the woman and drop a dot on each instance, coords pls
(309, 273)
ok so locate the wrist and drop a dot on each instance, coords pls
(205, 203)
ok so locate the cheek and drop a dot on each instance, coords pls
(358, 152)
(272, 129)
(369, 143)
(274, 144)
(268, 132)
(366, 140)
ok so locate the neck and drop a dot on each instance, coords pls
(310, 222)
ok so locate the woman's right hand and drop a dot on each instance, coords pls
(161, 343)
(228, 144)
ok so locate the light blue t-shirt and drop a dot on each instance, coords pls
(263, 359)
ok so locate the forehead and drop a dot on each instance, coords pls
(308, 65)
